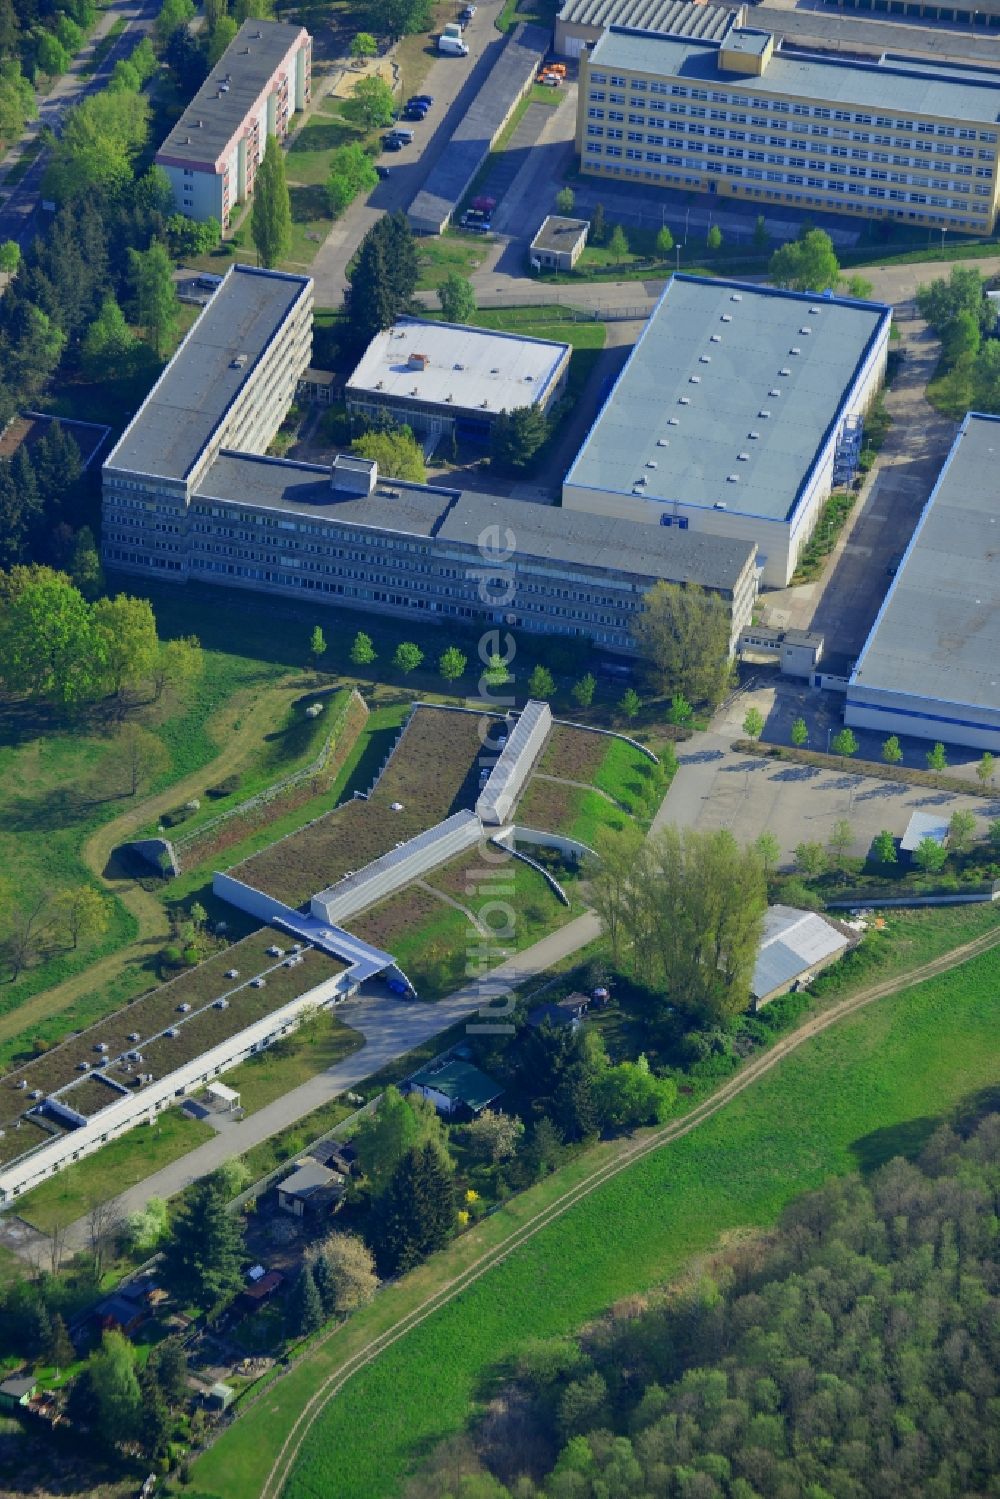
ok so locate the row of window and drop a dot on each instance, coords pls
(782, 106)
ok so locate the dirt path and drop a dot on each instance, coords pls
(626, 1154)
(239, 728)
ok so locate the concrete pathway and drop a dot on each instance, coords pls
(390, 1027)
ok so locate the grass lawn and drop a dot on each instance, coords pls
(850, 1099)
(553, 807)
(318, 1043)
(450, 253)
(117, 1166)
(308, 160)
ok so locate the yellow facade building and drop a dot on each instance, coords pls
(898, 139)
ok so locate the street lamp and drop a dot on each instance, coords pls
(678, 249)
(687, 216)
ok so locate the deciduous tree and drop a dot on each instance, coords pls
(396, 451)
(961, 830)
(457, 298)
(800, 733)
(317, 645)
(583, 691)
(115, 1389)
(618, 244)
(452, 663)
(986, 770)
(408, 657)
(892, 751)
(271, 215)
(840, 840)
(494, 1137)
(125, 632)
(363, 652)
(769, 850)
(844, 743)
(930, 855)
(157, 307)
(806, 264)
(753, 723)
(664, 242)
(352, 171)
(541, 683)
(363, 44)
(373, 103)
(936, 757)
(683, 635)
(348, 1273)
(713, 239)
(398, 1125)
(629, 704)
(82, 913)
(884, 848)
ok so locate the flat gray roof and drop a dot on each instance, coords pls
(705, 426)
(541, 531)
(214, 116)
(792, 942)
(468, 368)
(850, 30)
(198, 386)
(937, 634)
(558, 233)
(451, 175)
(679, 17)
(945, 90)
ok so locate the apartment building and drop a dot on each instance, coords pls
(898, 138)
(212, 154)
(736, 413)
(229, 384)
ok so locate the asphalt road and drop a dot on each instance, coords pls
(18, 216)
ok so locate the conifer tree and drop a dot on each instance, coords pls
(271, 216)
(416, 1214)
(305, 1307)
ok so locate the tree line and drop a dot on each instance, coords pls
(850, 1354)
(38, 38)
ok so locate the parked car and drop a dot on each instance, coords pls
(404, 135)
(425, 99)
(452, 47)
(467, 14)
(484, 205)
(391, 143)
(381, 172)
(549, 80)
(414, 112)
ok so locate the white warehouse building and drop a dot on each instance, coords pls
(738, 410)
(212, 154)
(931, 664)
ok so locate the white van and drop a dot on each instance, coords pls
(453, 46)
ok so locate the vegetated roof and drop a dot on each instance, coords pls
(191, 398)
(911, 86)
(471, 369)
(459, 1081)
(937, 634)
(559, 234)
(451, 175)
(792, 943)
(595, 542)
(923, 825)
(230, 91)
(729, 397)
(678, 17)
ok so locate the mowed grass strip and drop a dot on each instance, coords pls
(112, 1170)
(857, 1094)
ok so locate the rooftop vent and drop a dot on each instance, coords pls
(258, 983)
(184, 1008)
(638, 483)
(458, 366)
(350, 475)
(663, 442)
(764, 414)
(494, 372)
(716, 338)
(684, 401)
(21, 1083)
(449, 398)
(133, 1035)
(650, 462)
(736, 297)
(727, 317)
(704, 359)
(231, 973)
(414, 391)
(754, 435)
(274, 951)
(774, 392)
(814, 310)
(673, 421)
(529, 377)
(418, 361)
(795, 349)
(238, 362)
(732, 478)
(694, 379)
(83, 1066)
(220, 1004)
(719, 505)
(100, 1046)
(785, 371)
(37, 1093)
(743, 457)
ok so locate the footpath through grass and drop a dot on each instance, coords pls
(851, 1098)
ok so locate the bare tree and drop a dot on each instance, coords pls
(25, 929)
(57, 1248)
(105, 1226)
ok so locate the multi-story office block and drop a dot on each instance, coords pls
(212, 154)
(899, 138)
(738, 410)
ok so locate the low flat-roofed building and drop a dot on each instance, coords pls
(936, 124)
(581, 22)
(931, 664)
(446, 377)
(924, 825)
(559, 242)
(733, 414)
(212, 154)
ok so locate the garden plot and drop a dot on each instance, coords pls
(432, 772)
(197, 1028)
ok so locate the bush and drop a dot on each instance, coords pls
(171, 956)
(224, 788)
(192, 955)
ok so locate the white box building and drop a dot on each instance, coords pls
(931, 664)
(212, 154)
(738, 409)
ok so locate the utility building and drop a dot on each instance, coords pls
(737, 411)
(447, 378)
(212, 154)
(897, 138)
(931, 665)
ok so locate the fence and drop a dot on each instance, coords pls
(560, 309)
(259, 1187)
(277, 788)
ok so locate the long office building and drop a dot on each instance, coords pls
(897, 138)
(212, 154)
(930, 665)
(188, 494)
(738, 410)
